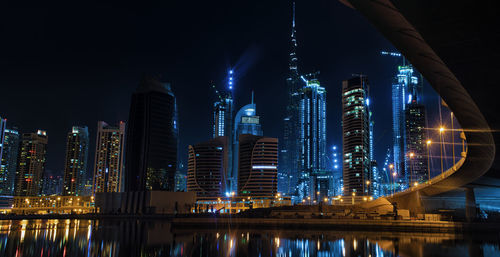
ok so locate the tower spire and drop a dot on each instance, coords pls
(293, 48)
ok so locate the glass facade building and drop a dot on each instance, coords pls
(8, 164)
(416, 157)
(152, 138)
(312, 140)
(406, 90)
(223, 127)
(75, 169)
(31, 164)
(109, 158)
(357, 170)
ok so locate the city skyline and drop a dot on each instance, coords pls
(255, 58)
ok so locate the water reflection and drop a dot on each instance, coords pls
(159, 238)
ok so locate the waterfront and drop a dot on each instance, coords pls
(160, 238)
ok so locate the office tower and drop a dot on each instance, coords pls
(312, 137)
(258, 166)
(152, 134)
(223, 126)
(289, 152)
(356, 137)
(416, 157)
(8, 163)
(31, 164)
(109, 158)
(77, 153)
(207, 167)
(406, 89)
(246, 122)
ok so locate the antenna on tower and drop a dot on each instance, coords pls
(293, 15)
(394, 54)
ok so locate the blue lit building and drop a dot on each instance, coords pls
(288, 172)
(8, 164)
(406, 90)
(246, 122)
(312, 139)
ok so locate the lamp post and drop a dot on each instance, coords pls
(368, 186)
(393, 176)
(441, 131)
(353, 195)
(411, 155)
(429, 142)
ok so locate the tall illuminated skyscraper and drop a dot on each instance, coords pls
(109, 158)
(75, 169)
(312, 139)
(289, 151)
(3, 126)
(356, 137)
(8, 160)
(223, 126)
(152, 138)
(31, 163)
(406, 90)
(416, 158)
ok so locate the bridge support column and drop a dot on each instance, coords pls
(470, 204)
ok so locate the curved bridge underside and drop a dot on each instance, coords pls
(456, 47)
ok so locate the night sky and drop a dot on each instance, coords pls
(75, 64)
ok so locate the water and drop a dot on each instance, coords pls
(160, 238)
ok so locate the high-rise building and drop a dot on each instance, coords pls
(75, 168)
(416, 157)
(289, 151)
(152, 138)
(406, 89)
(109, 158)
(223, 127)
(312, 138)
(258, 166)
(356, 137)
(31, 163)
(8, 164)
(246, 122)
(207, 167)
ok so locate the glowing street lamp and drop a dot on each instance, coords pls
(429, 142)
(441, 131)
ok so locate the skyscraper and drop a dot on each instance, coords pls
(416, 157)
(8, 164)
(207, 165)
(312, 138)
(75, 168)
(109, 158)
(258, 166)
(356, 137)
(289, 151)
(223, 127)
(31, 163)
(406, 89)
(246, 122)
(152, 134)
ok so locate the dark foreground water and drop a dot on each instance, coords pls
(159, 238)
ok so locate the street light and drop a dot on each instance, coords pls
(391, 167)
(441, 131)
(411, 155)
(429, 142)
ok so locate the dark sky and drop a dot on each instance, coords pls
(79, 62)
